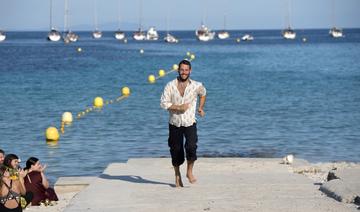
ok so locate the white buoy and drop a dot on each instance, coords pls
(67, 118)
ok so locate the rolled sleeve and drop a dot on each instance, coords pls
(201, 90)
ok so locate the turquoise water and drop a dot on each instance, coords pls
(267, 98)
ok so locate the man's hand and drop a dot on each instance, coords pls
(201, 112)
(182, 108)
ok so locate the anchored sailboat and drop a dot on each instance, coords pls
(68, 36)
(334, 31)
(140, 34)
(204, 33)
(96, 33)
(119, 34)
(223, 34)
(288, 33)
(169, 38)
(53, 35)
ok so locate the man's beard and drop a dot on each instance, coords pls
(183, 80)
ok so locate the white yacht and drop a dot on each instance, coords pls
(53, 35)
(96, 33)
(288, 33)
(223, 34)
(2, 36)
(204, 33)
(152, 34)
(139, 35)
(247, 37)
(336, 32)
(68, 35)
(170, 38)
(119, 34)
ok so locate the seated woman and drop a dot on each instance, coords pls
(11, 162)
(36, 182)
(10, 190)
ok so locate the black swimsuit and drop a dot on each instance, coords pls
(11, 195)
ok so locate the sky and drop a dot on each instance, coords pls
(26, 15)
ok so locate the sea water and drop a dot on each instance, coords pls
(265, 98)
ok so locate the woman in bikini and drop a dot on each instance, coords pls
(11, 190)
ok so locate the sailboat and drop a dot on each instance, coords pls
(2, 36)
(97, 33)
(140, 34)
(204, 33)
(68, 36)
(169, 38)
(223, 34)
(334, 31)
(53, 35)
(288, 33)
(119, 34)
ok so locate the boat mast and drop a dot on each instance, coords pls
(287, 16)
(95, 15)
(204, 14)
(66, 14)
(50, 14)
(140, 16)
(119, 16)
(333, 13)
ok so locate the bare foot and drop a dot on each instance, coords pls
(178, 182)
(191, 178)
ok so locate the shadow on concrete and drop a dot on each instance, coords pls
(133, 179)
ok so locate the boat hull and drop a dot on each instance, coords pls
(223, 35)
(97, 34)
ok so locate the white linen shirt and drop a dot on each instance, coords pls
(171, 95)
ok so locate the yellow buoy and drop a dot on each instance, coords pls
(151, 78)
(52, 134)
(192, 57)
(125, 91)
(188, 53)
(67, 118)
(175, 67)
(238, 40)
(98, 102)
(79, 49)
(162, 72)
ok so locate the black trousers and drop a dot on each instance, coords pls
(176, 143)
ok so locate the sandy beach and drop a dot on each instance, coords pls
(225, 184)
